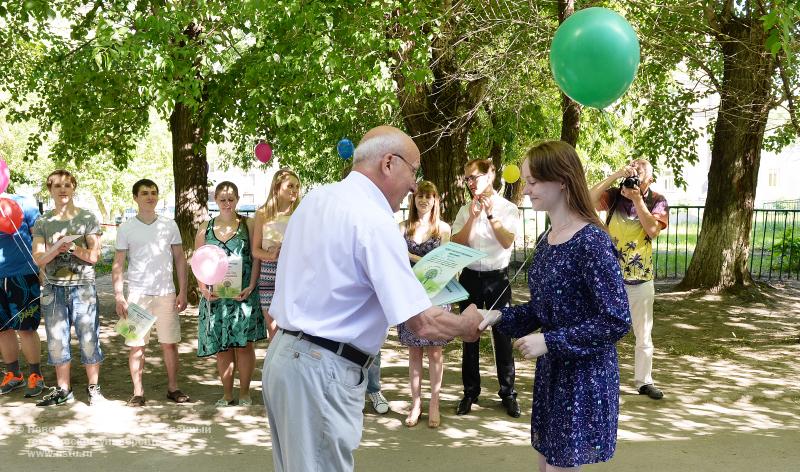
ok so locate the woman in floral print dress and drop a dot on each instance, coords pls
(579, 304)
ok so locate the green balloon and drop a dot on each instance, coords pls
(594, 56)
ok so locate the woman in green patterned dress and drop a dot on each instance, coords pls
(228, 327)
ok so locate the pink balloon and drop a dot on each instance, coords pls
(209, 264)
(263, 152)
(5, 175)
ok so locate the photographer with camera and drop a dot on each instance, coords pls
(636, 215)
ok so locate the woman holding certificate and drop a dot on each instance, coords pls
(424, 232)
(269, 227)
(577, 312)
(229, 322)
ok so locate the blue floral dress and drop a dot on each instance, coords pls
(579, 302)
(407, 337)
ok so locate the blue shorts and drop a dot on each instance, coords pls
(67, 306)
(19, 303)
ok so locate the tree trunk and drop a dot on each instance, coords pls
(570, 109)
(189, 160)
(720, 258)
(443, 164)
(191, 177)
(104, 211)
(439, 117)
(570, 120)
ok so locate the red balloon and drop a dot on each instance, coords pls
(10, 216)
(263, 152)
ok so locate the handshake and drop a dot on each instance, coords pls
(531, 346)
(490, 318)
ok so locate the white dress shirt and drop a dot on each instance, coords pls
(482, 236)
(343, 271)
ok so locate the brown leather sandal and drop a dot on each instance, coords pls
(136, 401)
(178, 397)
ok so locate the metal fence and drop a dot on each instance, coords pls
(782, 205)
(774, 251)
(774, 241)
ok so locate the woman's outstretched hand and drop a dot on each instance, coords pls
(490, 318)
(532, 345)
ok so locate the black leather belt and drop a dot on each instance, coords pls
(345, 350)
(485, 274)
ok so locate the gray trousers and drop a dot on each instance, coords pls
(314, 400)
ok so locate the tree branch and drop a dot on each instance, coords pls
(789, 96)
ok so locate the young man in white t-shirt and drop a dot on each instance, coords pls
(151, 243)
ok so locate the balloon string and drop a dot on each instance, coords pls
(541, 238)
(605, 115)
(22, 248)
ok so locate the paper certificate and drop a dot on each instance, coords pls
(437, 268)
(66, 239)
(451, 293)
(231, 285)
(137, 324)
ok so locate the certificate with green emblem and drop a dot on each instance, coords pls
(137, 324)
(438, 268)
(231, 284)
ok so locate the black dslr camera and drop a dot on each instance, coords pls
(630, 182)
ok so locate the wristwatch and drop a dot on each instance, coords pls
(489, 217)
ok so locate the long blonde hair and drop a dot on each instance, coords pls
(270, 207)
(557, 161)
(424, 188)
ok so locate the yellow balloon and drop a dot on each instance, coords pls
(511, 173)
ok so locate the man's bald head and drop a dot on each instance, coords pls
(383, 140)
(390, 159)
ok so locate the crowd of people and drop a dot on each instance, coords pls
(326, 277)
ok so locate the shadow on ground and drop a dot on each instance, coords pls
(728, 368)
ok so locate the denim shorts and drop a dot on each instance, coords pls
(19, 303)
(64, 307)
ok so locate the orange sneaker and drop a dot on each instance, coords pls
(35, 385)
(11, 382)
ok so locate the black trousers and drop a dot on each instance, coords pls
(484, 288)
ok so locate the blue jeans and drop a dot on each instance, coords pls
(374, 375)
(64, 307)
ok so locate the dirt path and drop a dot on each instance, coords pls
(729, 369)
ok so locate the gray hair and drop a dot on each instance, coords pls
(373, 148)
(648, 168)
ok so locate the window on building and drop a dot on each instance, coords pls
(667, 181)
(773, 178)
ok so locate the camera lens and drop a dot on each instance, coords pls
(630, 182)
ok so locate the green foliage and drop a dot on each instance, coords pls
(305, 74)
(299, 75)
(786, 252)
(781, 22)
(97, 177)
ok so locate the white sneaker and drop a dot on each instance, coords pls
(379, 403)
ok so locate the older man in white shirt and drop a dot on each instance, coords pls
(343, 279)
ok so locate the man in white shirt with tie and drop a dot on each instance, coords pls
(487, 223)
(343, 279)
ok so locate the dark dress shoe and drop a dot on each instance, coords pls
(512, 407)
(465, 405)
(651, 391)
